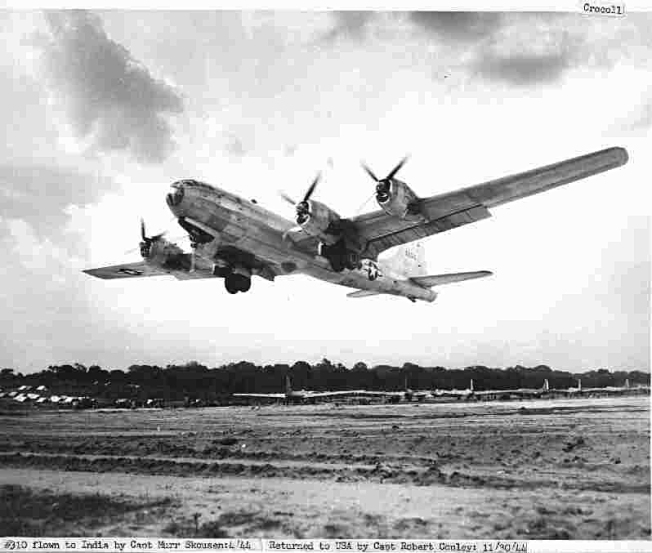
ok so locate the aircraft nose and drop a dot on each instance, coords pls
(175, 196)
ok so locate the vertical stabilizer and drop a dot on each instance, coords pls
(471, 385)
(288, 385)
(579, 384)
(546, 385)
(627, 383)
(407, 261)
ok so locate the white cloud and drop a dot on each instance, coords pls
(111, 100)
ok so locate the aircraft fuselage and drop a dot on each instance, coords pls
(245, 226)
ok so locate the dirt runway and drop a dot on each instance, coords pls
(542, 469)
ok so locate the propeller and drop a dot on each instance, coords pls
(147, 242)
(303, 207)
(287, 198)
(383, 185)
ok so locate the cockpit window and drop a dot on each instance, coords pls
(194, 183)
(175, 197)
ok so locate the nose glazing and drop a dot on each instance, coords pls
(175, 196)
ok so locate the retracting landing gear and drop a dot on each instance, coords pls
(239, 280)
(235, 283)
(340, 257)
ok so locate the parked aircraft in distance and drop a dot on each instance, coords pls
(523, 393)
(233, 238)
(406, 394)
(291, 395)
(468, 392)
(626, 388)
(471, 393)
(418, 395)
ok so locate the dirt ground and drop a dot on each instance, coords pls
(540, 469)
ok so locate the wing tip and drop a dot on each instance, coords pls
(621, 155)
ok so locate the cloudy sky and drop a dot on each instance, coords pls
(103, 110)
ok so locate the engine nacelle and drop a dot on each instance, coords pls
(398, 200)
(164, 254)
(321, 222)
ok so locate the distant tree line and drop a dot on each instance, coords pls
(194, 380)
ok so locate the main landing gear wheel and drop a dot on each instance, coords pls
(235, 283)
(230, 285)
(245, 283)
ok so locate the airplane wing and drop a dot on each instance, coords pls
(280, 396)
(443, 212)
(126, 270)
(336, 393)
(141, 269)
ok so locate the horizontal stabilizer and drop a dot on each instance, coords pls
(362, 293)
(437, 280)
(126, 270)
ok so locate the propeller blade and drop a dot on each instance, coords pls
(149, 239)
(364, 204)
(369, 172)
(312, 187)
(397, 168)
(287, 198)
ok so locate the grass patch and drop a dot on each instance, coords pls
(27, 512)
(240, 521)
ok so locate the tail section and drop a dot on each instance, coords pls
(288, 385)
(546, 385)
(405, 274)
(408, 261)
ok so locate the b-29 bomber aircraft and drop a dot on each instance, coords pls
(298, 396)
(234, 239)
